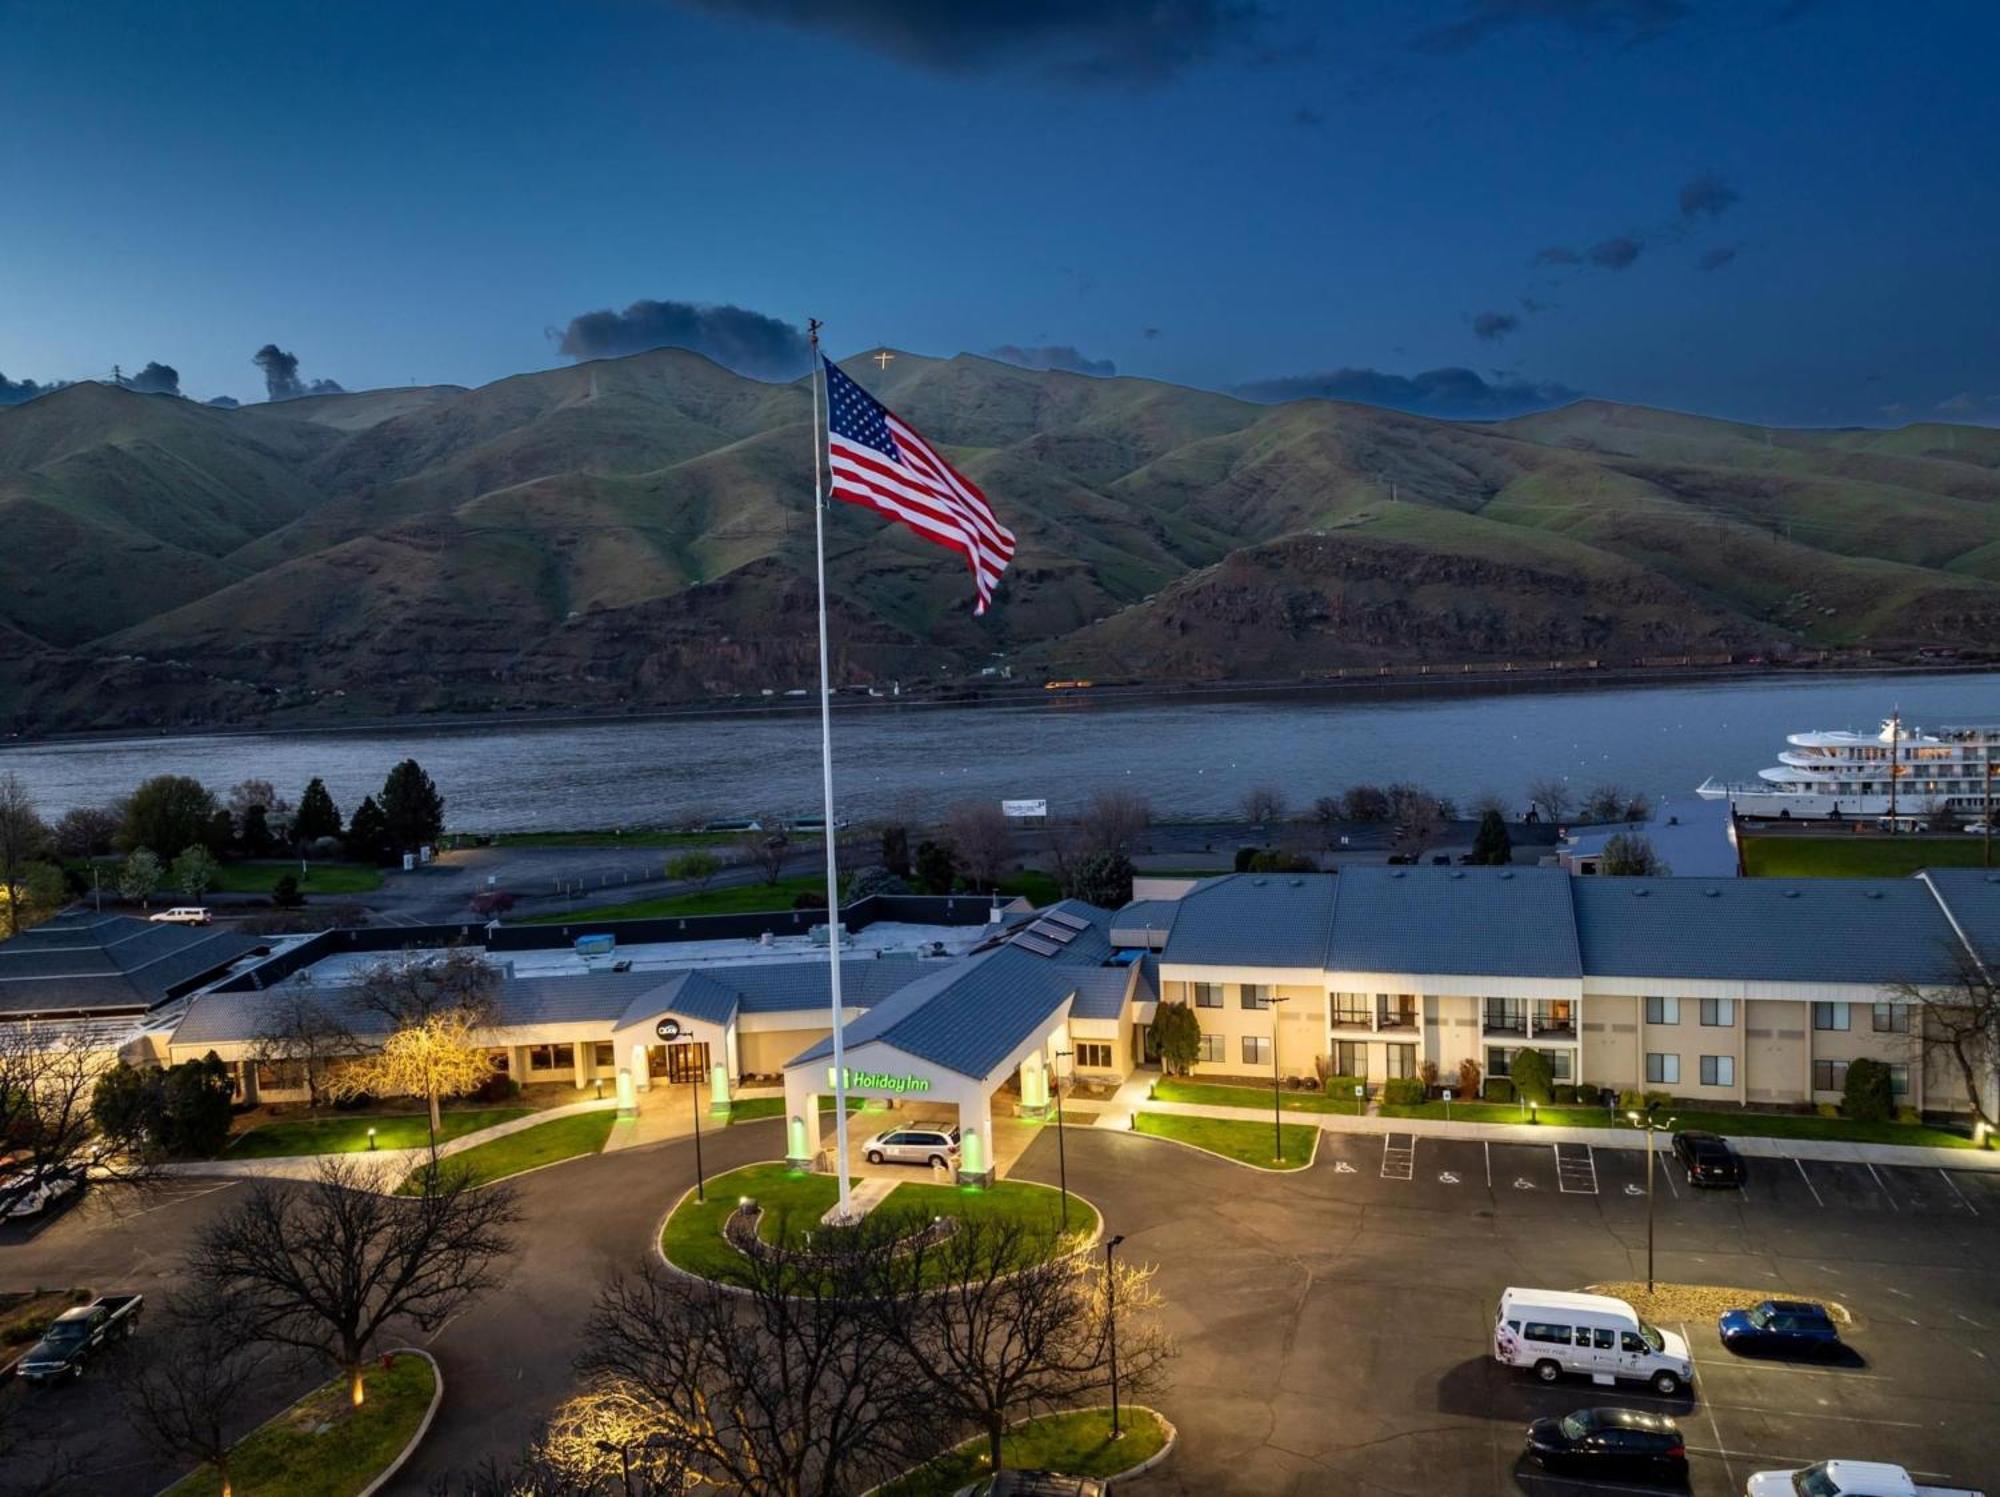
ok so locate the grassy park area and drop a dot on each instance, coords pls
(1338, 1098)
(1245, 1142)
(1076, 1444)
(324, 1447)
(1856, 856)
(347, 1133)
(546, 1143)
(733, 899)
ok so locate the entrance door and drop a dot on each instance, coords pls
(687, 1061)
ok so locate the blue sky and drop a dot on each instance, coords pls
(400, 192)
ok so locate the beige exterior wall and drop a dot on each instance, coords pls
(1610, 1054)
(1688, 1041)
(1777, 1052)
(1301, 1032)
(1454, 1036)
(764, 1052)
(1859, 1040)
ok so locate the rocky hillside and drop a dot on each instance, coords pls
(636, 532)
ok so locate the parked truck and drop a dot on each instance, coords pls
(1846, 1479)
(75, 1336)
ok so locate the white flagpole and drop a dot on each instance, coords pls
(826, 797)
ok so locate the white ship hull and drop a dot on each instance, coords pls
(1845, 774)
(1763, 800)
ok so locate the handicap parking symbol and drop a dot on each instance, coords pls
(1634, 1190)
(1342, 1167)
(1522, 1183)
(1447, 1177)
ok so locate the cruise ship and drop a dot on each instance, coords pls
(1850, 774)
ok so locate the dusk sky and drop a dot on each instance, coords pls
(1772, 209)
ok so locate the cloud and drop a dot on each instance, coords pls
(1721, 255)
(735, 337)
(1707, 196)
(1557, 254)
(1620, 22)
(1449, 394)
(1308, 118)
(1084, 41)
(1060, 356)
(21, 391)
(281, 375)
(1491, 325)
(1615, 253)
(1966, 406)
(156, 379)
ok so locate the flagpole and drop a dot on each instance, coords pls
(826, 796)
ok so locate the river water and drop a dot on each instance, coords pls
(1193, 759)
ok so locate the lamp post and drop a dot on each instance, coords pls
(1652, 1128)
(1277, 1114)
(1986, 813)
(1062, 1158)
(624, 1454)
(1111, 1317)
(694, 1096)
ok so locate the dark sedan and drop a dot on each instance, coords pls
(1610, 1442)
(1780, 1327)
(1708, 1159)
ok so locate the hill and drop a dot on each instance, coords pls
(633, 532)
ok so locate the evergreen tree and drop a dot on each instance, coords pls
(937, 867)
(255, 838)
(896, 850)
(1103, 879)
(1492, 844)
(317, 815)
(368, 833)
(412, 809)
(171, 810)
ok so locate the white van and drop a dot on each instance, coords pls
(182, 914)
(1593, 1334)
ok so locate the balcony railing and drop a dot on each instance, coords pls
(1506, 1024)
(1350, 1018)
(1398, 1018)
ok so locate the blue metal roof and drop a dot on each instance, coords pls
(1255, 920)
(1851, 930)
(1690, 835)
(1145, 922)
(1499, 922)
(1100, 992)
(1972, 895)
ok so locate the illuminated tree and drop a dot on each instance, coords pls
(23, 839)
(433, 1058)
(616, 1438)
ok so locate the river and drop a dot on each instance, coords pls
(1189, 759)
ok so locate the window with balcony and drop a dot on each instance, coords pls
(1506, 1016)
(1350, 1008)
(1555, 1017)
(1396, 1010)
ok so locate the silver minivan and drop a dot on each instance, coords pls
(914, 1145)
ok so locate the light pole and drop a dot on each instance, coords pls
(1062, 1158)
(624, 1453)
(694, 1095)
(1111, 1316)
(1277, 1115)
(1651, 1128)
(1986, 814)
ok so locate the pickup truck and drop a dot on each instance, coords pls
(1846, 1479)
(75, 1336)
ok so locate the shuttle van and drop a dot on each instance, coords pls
(1591, 1334)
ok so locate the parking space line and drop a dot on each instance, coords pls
(1840, 1416)
(1664, 1169)
(1399, 1160)
(1487, 1146)
(1770, 1458)
(1728, 1471)
(1884, 1189)
(1808, 1179)
(1945, 1175)
(1576, 1174)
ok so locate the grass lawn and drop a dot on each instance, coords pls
(320, 878)
(1248, 1142)
(1856, 856)
(545, 1143)
(1032, 884)
(1076, 1444)
(753, 1108)
(347, 1133)
(735, 899)
(24, 1316)
(1739, 1124)
(1221, 1094)
(323, 1447)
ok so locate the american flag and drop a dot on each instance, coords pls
(876, 460)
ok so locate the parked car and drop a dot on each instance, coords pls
(24, 1195)
(1610, 1442)
(1708, 1159)
(1782, 1327)
(182, 914)
(1846, 1479)
(75, 1336)
(1554, 1331)
(918, 1145)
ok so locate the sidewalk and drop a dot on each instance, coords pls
(1132, 1096)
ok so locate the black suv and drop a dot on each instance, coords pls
(1708, 1159)
(1610, 1442)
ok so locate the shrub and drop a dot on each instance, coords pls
(285, 893)
(1403, 1091)
(1532, 1076)
(1468, 1077)
(1245, 856)
(1659, 1099)
(1825, 1110)
(1499, 1089)
(1631, 1101)
(1908, 1115)
(1869, 1097)
(1428, 1071)
(1567, 1095)
(1341, 1086)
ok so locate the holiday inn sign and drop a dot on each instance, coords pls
(877, 1081)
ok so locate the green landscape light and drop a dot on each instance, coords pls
(371, 1138)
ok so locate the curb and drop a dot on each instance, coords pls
(1242, 1164)
(1170, 1436)
(423, 1428)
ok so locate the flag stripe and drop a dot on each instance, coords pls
(890, 500)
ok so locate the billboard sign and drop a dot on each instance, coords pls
(1024, 808)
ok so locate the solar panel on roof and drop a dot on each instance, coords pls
(1062, 935)
(1035, 944)
(1064, 917)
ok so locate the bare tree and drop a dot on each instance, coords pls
(1419, 817)
(1604, 802)
(1002, 1320)
(1327, 816)
(1263, 804)
(1552, 797)
(23, 841)
(984, 840)
(88, 831)
(780, 1389)
(1114, 821)
(198, 1378)
(405, 989)
(300, 1030)
(1629, 855)
(769, 849)
(254, 792)
(1964, 1014)
(1488, 800)
(331, 1266)
(1365, 803)
(48, 1078)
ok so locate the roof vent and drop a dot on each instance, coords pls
(1395, 873)
(1871, 893)
(1298, 883)
(1458, 873)
(1258, 883)
(1506, 873)
(1711, 893)
(1641, 893)
(1791, 893)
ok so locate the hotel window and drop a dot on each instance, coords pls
(544, 1058)
(1555, 1016)
(1718, 1070)
(606, 1055)
(1350, 1008)
(1892, 1018)
(1663, 1070)
(1212, 1049)
(1498, 1061)
(1396, 1010)
(1562, 1064)
(1256, 1050)
(1830, 1016)
(1208, 995)
(1663, 1010)
(1829, 1075)
(1718, 1013)
(1899, 1078)
(1350, 1058)
(1507, 1014)
(1402, 1062)
(1255, 994)
(1093, 1055)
